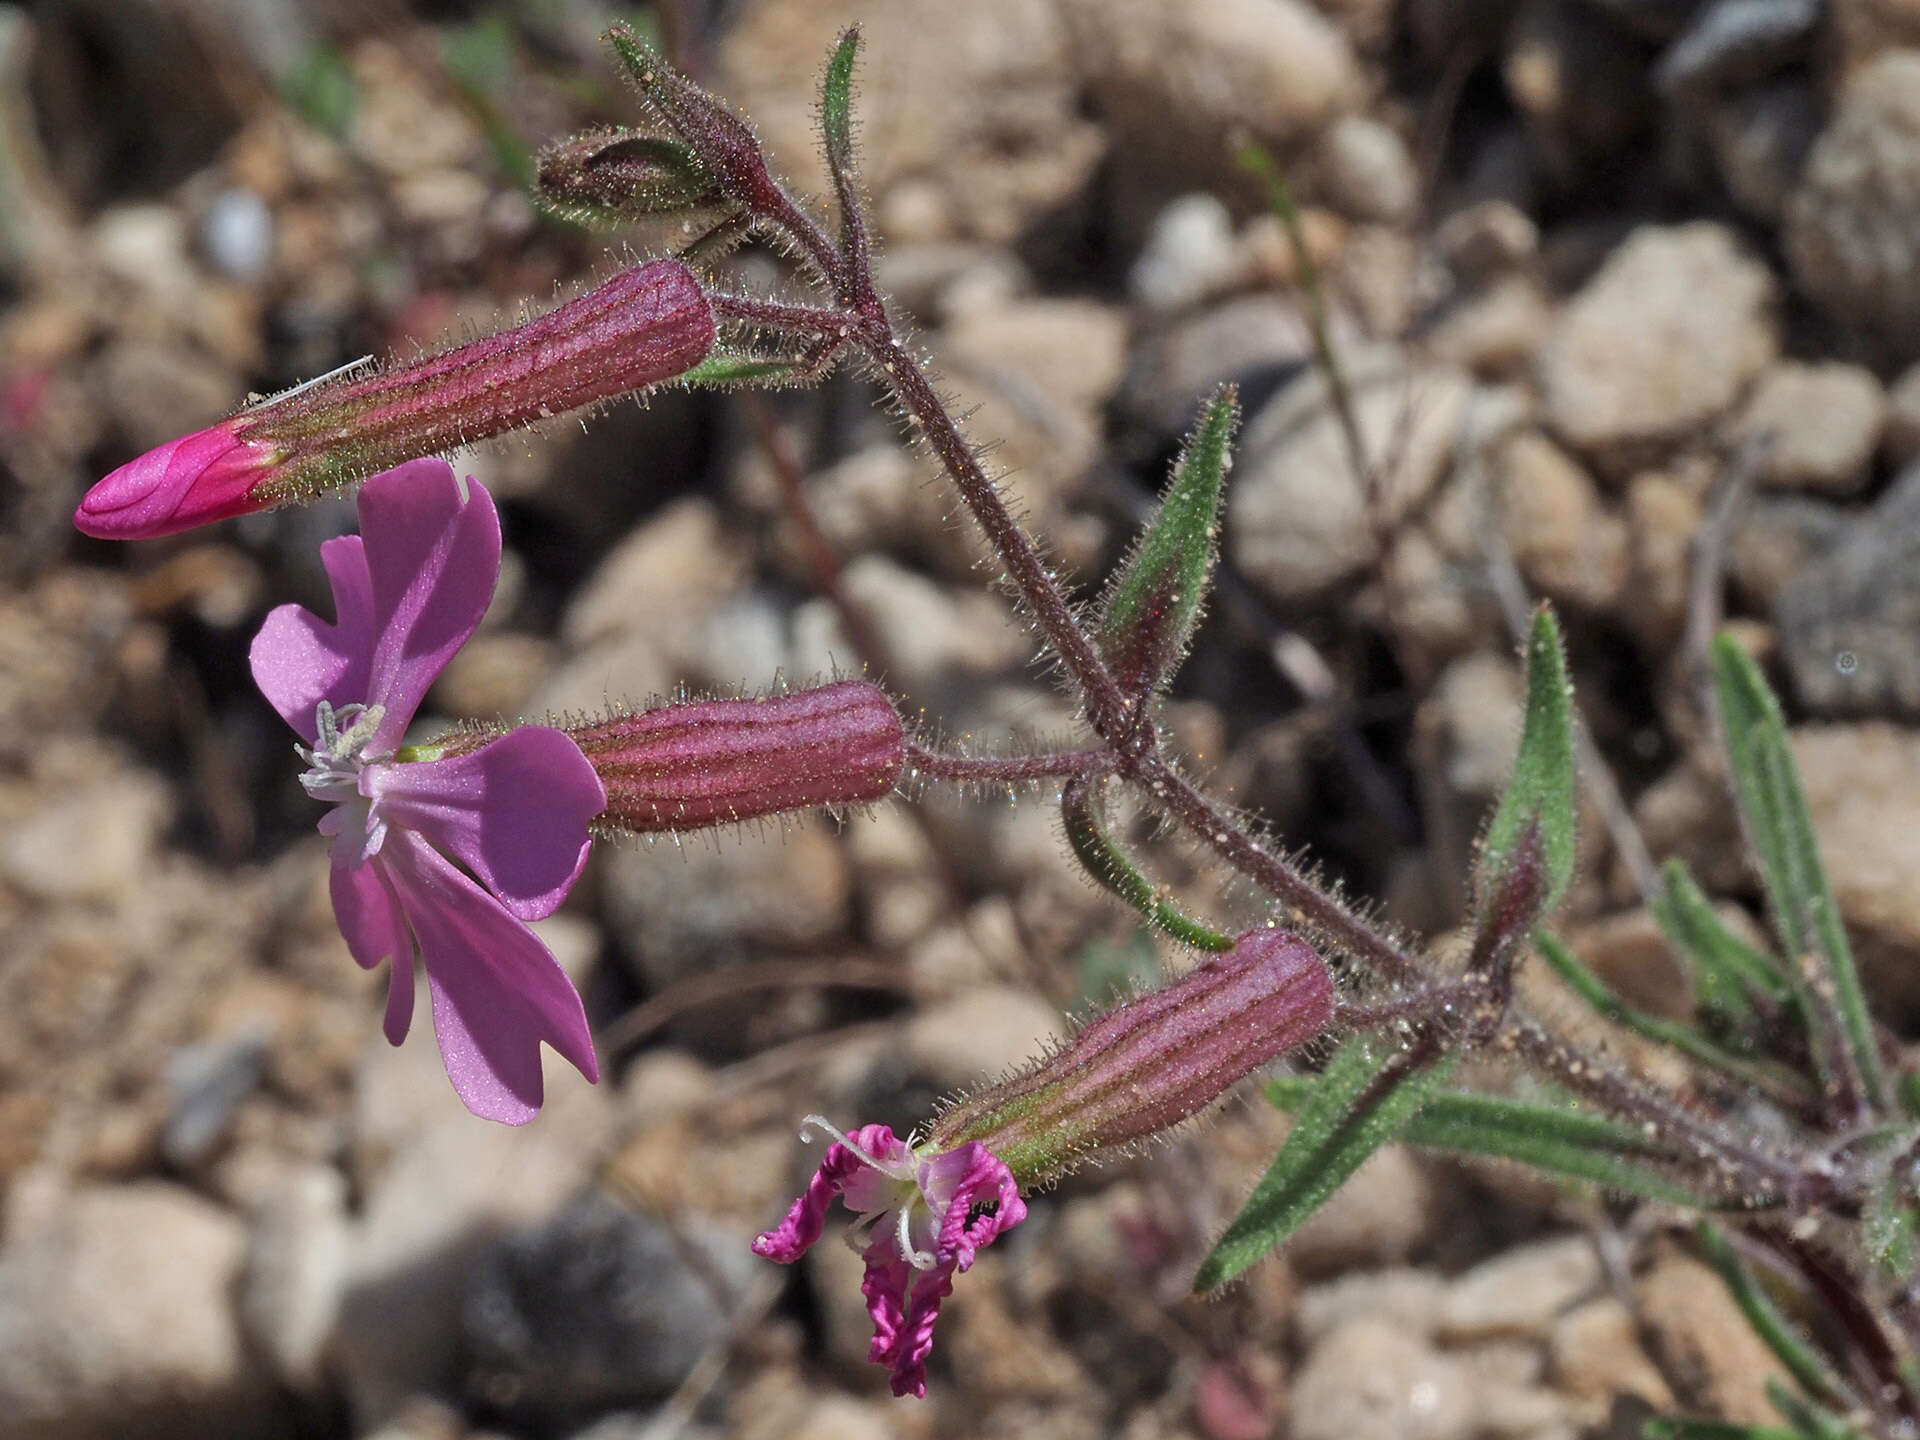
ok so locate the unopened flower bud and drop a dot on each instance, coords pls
(1155, 1061)
(608, 176)
(645, 325)
(715, 762)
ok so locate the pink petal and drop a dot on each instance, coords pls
(497, 991)
(957, 1183)
(299, 660)
(514, 812)
(885, 1284)
(433, 551)
(206, 476)
(907, 1357)
(839, 1167)
(369, 916)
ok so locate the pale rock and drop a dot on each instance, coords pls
(1371, 1380)
(1381, 1213)
(1862, 783)
(969, 118)
(620, 673)
(1189, 255)
(1430, 595)
(679, 902)
(1486, 239)
(1411, 1301)
(1001, 1351)
(1780, 538)
(1662, 340)
(92, 843)
(296, 1272)
(739, 647)
(882, 497)
(680, 563)
(155, 390)
(1865, 29)
(1367, 171)
(145, 245)
(1901, 438)
(1630, 952)
(1171, 77)
(439, 1187)
(116, 1318)
(1176, 364)
(898, 873)
(980, 1034)
(1823, 422)
(930, 632)
(1473, 713)
(1495, 332)
(1853, 225)
(493, 676)
(1376, 275)
(1563, 538)
(1594, 1355)
(1297, 515)
(1701, 1339)
(1520, 1292)
(1663, 516)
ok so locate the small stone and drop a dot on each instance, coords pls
(1370, 1380)
(1853, 225)
(1383, 1212)
(1496, 332)
(1188, 256)
(1630, 952)
(1486, 239)
(1661, 341)
(597, 1307)
(1865, 29)
(1297, 517)
(1563, 539)
(980, 1034)
(1411, 1301)
(680, 563)
(1824, 421)
(930, 632)
(1848, 620)
(493, 676)
(1663, 516)
(1366, 170)
(236, 234)
(1520, 1292)
(1703, 1341)
(1473, 713)
(296, 1273)
(1779, 539)
(1594, 1355)
(1730, 43)
(116, 1318)
(1251, 339)
(89, 844)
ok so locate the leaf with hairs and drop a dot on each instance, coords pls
(1540, 795)
(1729, 971)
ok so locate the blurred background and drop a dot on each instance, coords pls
(1626, 291)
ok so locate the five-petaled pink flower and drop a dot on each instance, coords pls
(928, 1212)
(513, 814)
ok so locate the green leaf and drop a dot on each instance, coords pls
(1542, 788)
(1809, 1370)
(321, 88)
(1767, 784)
(723, 370)
(1729, 971)
(1156, 598)
(1107, 863)
(1809, 1421)
(1558, 1139)
(1680, 1427)
(836, 103)
(1775, 1081)
(1368, 1091)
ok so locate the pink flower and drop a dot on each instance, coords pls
(206, 476)
(929, 1213)
(449, 855)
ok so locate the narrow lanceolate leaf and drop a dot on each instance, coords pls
(1730, 973)
(1810, 1421)
(1107, 863)
(1362, 1100)
(1809, 1370)
(1541, 791)
(1559, 1139)
(724, 370)
(1774, 807)
(836, 104)
(1775, 1081)
(1157, 597)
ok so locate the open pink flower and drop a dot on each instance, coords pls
(929, 1213)
(513, 814)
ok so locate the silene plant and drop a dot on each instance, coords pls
(1793, 1146)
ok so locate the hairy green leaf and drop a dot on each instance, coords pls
(1365, 1096)
(1809, 1370)
(1107, 863)
(1559, 1139)
(836, 103)
(1158, 594)
(1541, 791)
(1729, 971)
(722, 370)
(1767, 784)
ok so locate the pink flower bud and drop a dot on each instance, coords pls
(1155, 1061)
(714, 762)
(645, 325)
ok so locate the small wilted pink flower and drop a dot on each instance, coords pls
(450, 855)
(644, 325)
(928, 1213)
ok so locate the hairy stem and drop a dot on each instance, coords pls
(1008, 769)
